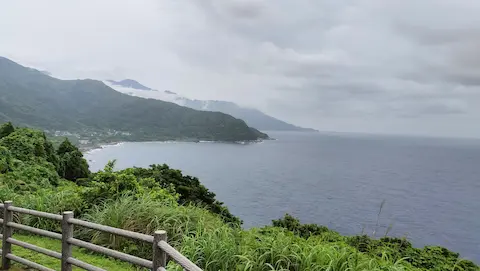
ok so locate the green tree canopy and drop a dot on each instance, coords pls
(72, 165)
(66, 146)
(6, 129)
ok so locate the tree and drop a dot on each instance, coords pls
(6, 129)
(72, 165)
(66, 146)
(50, 152)
(5, 159)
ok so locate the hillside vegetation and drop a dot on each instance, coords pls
(88, 107)
(38, 176)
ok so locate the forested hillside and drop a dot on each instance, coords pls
(31, 98)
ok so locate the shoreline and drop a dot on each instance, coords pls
(89, 149)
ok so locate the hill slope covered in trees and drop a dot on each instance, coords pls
(30, 98)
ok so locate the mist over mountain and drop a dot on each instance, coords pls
(253, 117)
(129, 83)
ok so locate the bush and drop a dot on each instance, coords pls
(25, 144)
(189, 188)
(429, 258)
(5, 160)
(65, 197)
(303, 230)
(30, 176)
(6, 129)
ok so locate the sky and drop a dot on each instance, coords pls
(369, 66)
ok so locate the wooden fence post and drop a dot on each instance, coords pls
(7, 233)
(67, 233)
(159, 256)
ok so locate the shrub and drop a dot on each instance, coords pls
(6, 129)
(303, 230)
(65, 197)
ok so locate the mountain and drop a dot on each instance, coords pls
(129, 83)
(29, 97)
(253, 117)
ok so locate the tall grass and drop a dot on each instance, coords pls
(213, 245)
(145, 214)
(205, 239)
(226, 248)
(64, 198)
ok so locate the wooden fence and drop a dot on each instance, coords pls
(161, 249)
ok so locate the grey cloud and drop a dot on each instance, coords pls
(416, 108)
(334, 64)
(452, 54)
(245, 9)
(439, 36)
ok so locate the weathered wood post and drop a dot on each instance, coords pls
(159, 256)
(7, 233)
(67, 233)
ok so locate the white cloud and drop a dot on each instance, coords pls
(400, 66)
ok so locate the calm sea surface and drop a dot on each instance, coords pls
(431, 187)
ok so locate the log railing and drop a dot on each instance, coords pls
(161, 249)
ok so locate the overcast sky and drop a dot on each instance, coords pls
(380, 66)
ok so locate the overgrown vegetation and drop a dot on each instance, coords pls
(38, 176)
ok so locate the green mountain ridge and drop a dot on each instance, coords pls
(30, 98)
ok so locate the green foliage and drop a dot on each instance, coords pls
(145, 200)
(65, 197)
(272, 248)
(29, 176)
(28, 161)
(5, 160)
(428, 258)
(6, 129)
(146, 214)
(189, 188)
(395, 249)
(65, 147)
(50, 153)
(303, 230)
(108, 184)
(25, 144)
(71, 165)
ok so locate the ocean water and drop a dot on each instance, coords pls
(430, 187)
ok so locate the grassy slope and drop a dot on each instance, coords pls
(97, 260)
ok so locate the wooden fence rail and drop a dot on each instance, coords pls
(161, 249)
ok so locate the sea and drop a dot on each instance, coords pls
(424, 189)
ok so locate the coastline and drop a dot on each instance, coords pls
(90, 148)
